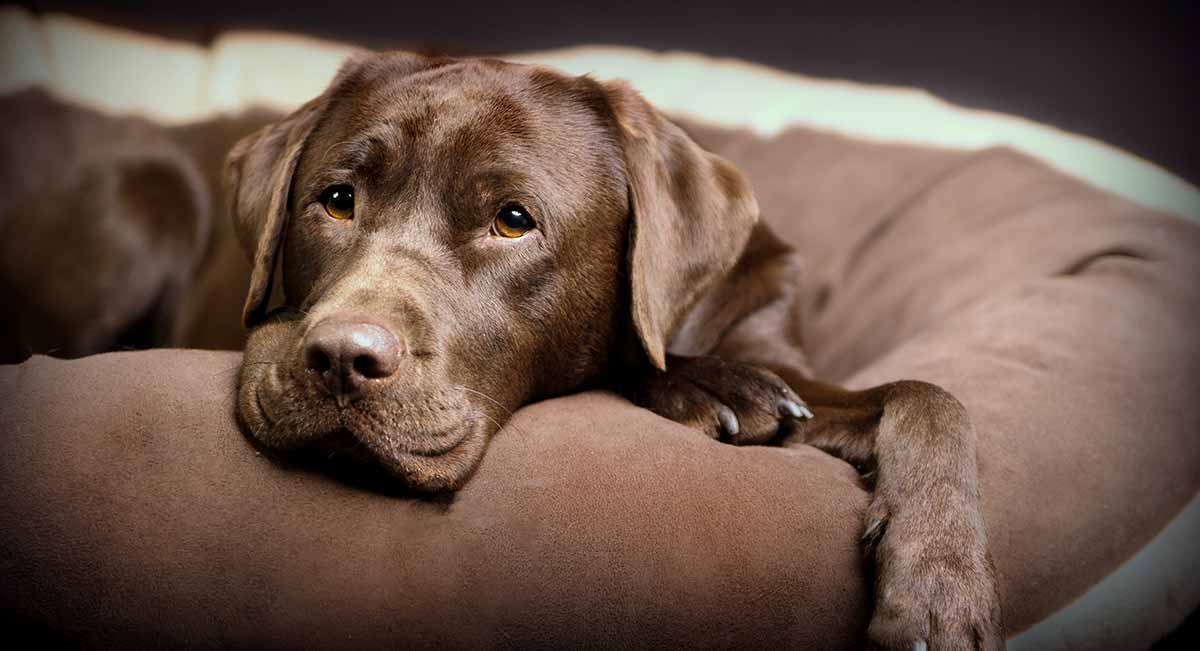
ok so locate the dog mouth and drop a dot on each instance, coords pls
(429, 445)
(348, 447)
(346, 436)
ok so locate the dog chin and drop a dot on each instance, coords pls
(427, 463)
(424, 457)
(446, 471)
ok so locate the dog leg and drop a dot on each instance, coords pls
(935, 586)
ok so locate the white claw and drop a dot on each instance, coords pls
(920, 645)
(796, 409)
(728, 420)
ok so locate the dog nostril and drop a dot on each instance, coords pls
(317, 360)
(370, 366)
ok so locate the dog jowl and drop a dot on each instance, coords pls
(453, 239)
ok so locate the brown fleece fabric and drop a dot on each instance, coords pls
(1064, 319)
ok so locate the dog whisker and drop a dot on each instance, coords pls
(508, 411)
(488, 398)
(497, 423)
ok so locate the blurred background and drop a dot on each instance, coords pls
(1123, 72)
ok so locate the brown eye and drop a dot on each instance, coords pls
(338, 201)
(512, 221)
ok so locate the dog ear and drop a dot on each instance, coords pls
(691, 214)
(258, 181)
(259, 170)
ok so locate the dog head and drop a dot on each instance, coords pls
(455, 238)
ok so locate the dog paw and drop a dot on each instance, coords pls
(732, 402)
(932, 593)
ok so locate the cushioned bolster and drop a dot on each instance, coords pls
(142, 513)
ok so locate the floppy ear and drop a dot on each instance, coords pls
(259, 170)
(258, 181)
(691, 214)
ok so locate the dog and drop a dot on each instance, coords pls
(103, 223)
(451, 239)
(109, 238)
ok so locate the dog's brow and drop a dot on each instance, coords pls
(363, 148)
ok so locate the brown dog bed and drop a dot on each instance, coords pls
(1064, 319)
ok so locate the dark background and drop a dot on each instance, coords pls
(1124, 72)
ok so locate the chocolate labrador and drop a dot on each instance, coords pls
(103, 222)
(108, 237)
(456, 238)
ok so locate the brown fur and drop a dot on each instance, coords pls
(648, 272)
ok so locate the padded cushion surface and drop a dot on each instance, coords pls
(1063, 318)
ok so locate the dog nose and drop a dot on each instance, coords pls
(347, 354)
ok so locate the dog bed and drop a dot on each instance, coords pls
(1062, 315)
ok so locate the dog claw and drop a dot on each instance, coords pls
(729, 421)
(920, 645)
(795, 409)
(873, 532)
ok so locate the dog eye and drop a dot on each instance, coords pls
(338, 201)
(512, 221)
